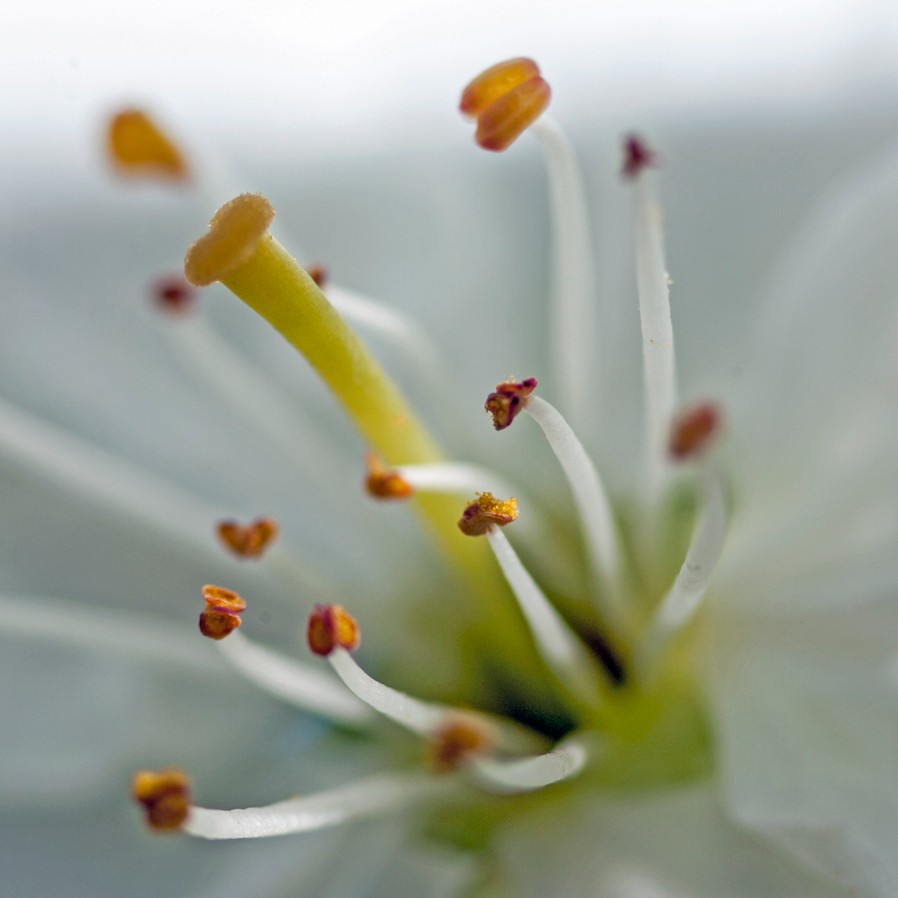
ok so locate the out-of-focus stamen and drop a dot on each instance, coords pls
(505, 99)
(508, 400)
(291, 681)
(679, 606)
(458, 740)
(331, 627)
(138, 146)
(375, 795)
(173, 294)
(247, 540)
(165, 797)
(659, 368)
(385, 483)
(318, 273)
(693, 430)
(637, 157)
(485, 512)
(564, 762)
(221, 615)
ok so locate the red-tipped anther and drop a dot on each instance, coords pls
(505, 99)
(637, 157)
(331, 627)
(164, 795)
(693, 431)
(173, 294)
(318, 273)
(486, 512)
(459, 739)
(508, 400)
(138, 146)
(221, 615)
(385, 483)
(250, 540)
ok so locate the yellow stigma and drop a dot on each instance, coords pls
(164, 795)
(486, 511)
(138, 146)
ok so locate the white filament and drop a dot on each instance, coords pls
(529, 774)
(573, 277)
(683, 599)
(374, 795)
(659, 369)
(559, 647)
(593, 506)
(298, 684)
(453, 477)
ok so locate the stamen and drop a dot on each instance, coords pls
(165, 796)
(138, 146)
(318, 273)
(557, 643)
(564, 762)
(485, 512)
(385, 483)
(298, 684)
(505, 99)
(682, 601)
(572, 318)
(693, 431)
(375, 795)
(593, 507)
(637, 157)
(221, 615)
(457, 741)
(508, 400)
(173, 294)
(659, 369)
(250, 540)
(331, 627)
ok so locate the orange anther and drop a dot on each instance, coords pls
(495, 82)
(460, 738)
(385, 483)
(508, 400)
(165, 796)
(138, 146)
(331, 627)
(693, 430)
(505, 120)
(221, 615)
(485, 512)
(250, 540)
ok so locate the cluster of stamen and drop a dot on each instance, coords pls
(484, 512)
(165, 797)
(505, 100)
(508, 400)
(331, 627)
(221, 616)
(247, 540)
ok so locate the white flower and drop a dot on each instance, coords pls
(790, 667)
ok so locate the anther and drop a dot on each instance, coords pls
(508, 400)
(221, 615)
(637, 157)
(385, 483)
(693, 431)
(249, 540)
(173, 294)
(165, 796)
(505, 99)
(458, 740)
(236, 230)
(318, 273)
(484, 512)
(331, 627)
(138, 146)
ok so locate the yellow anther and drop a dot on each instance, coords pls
(505, 99)
(331, 627)
(494, 82)
(385, 483)
(250, 540)
(235, 233)
(508, 400)
(221, 615)
(460, 738)
(485, 512)
(165, 796)
(138, 146)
